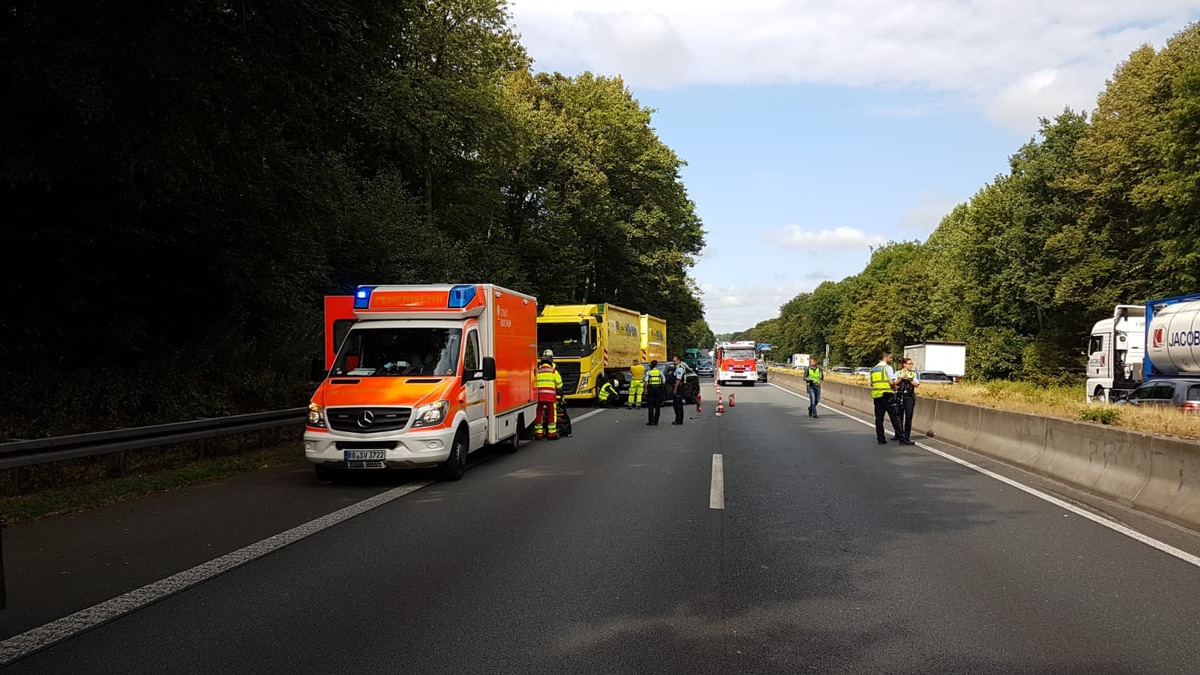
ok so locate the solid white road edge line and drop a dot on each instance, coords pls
(36, 639)
(716, 493)
(1101, 520)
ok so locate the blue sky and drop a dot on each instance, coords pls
(815, 129)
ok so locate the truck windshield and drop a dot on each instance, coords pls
(398, 352)
(739, 354)
(565, 339)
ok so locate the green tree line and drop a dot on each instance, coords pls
(181, 183)
(1096, 210)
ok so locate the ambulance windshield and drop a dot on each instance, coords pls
(399, 352)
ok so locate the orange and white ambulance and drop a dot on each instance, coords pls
(424, 376)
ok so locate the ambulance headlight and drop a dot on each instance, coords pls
(430, 414)
(316, 416)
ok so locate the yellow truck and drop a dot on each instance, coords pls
(588, 340)
(654, 339)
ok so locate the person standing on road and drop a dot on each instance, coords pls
(654, 393)
(680, 376)
(814, 376)
(549, 385)
(907, 382)
(636, 385)
(883, 382)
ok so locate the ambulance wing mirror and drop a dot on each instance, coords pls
(489, 368)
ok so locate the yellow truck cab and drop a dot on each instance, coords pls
(588, 340)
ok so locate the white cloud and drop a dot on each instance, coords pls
(927, 213)
(1017, 59)
(839, 238)
(738, 307)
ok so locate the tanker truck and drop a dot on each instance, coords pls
(1141, 342)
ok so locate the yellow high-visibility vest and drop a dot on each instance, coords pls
(879, 381)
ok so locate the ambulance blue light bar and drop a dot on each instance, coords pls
(362, 298)
(461, 296)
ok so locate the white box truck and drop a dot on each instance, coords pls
(948, 357)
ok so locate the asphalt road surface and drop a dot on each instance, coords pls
(603, 553)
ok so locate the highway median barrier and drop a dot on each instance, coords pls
(1155, 474)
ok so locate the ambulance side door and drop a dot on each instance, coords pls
(476, 388)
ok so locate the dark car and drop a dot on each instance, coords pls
(934, 377)
(844, 370)
(762, 371)
(705, 368)
(1181, 393)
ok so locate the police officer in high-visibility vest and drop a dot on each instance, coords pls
(549, 384)
(654, 392)
(636, 385)
(907, 382)
(883, 382)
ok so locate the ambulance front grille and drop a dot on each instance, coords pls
(368, 420)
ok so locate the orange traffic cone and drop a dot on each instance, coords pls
(720, 406)
(731, 400)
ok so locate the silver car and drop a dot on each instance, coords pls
(1181, 393)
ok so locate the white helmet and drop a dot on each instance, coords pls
(548, 354)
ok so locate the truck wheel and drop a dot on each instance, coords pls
(326, 474)
(1101, 394)
(752, 383)
(456, 464)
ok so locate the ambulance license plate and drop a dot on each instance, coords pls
(359, 455)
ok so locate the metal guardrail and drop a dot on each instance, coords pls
(45, 450)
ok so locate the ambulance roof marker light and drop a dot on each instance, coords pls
(362, 297)
(461, 296)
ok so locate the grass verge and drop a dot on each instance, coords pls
(56, 501)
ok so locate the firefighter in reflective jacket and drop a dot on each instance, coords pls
(549, 383)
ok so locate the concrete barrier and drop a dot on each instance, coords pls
(1155, 474)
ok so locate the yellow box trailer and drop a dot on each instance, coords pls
(654, 339)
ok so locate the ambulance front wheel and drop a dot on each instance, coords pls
(456, 464)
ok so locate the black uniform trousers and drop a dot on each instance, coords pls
(886, 404)
(654, 401)
(678, 403)
(904, 410)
